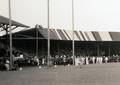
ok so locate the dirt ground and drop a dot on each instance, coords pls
(94, 74)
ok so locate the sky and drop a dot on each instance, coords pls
(90, 15)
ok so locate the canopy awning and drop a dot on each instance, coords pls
(61, 34)
(5, 20)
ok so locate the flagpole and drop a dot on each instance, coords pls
(10, 26)
(73, 41)
(48, 24)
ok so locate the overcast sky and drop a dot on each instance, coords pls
(90, 15)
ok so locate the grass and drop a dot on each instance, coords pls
(94, 74)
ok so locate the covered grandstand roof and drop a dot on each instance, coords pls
(61, 34)
(4, 25)
(5, 20)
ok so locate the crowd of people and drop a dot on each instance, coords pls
(7, 63)
(90, 60)
(82, 60)
(20, 59)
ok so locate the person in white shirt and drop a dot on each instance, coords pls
(36, 60)
(101, 60)
(106, 59)
(7, 65)
(77, 60)
(21, 55)
(93, 59)
(87, 62)
(83, 60)
(43, 61)
(64, 60)
(97, 59)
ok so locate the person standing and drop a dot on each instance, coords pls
(77, 60)
(43, 61)
(93, 59)
(106, 59)
(36, 60)
(64, 60)
(101, 60)
(21, 55)
(87, 62)
(7, 64)
(117, 58)
(97, 59)
(83, 60)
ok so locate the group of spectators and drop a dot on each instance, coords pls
(84, 60)
(65, 60)
(5, 63)
(19, 60)
(90, 60)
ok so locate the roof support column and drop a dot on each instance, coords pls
(109, 49)
(98, 49)
(37, 41)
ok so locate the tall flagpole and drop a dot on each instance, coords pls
(48, 24)
(10, 26)
(73, 42)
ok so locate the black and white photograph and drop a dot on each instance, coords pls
(59, 42)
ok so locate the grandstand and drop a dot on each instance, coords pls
(4, 29)
(86, 43)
